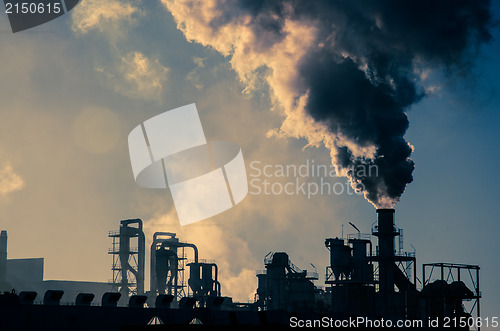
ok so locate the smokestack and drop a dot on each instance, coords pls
(386, 232)
(385, 220)
(3, 256)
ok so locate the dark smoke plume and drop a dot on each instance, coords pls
(359, 66)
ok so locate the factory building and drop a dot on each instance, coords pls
(373, 280)
(368, 275)
(283, 286)
(27, 275)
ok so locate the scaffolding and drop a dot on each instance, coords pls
(450, 273)
(128, 260)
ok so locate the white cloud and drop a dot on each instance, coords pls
(9, 180)
(98, 14)
(137, 76)
(194, 76)
(146, 75)
(238, 40)
(134, 74)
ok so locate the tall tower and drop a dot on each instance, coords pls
(397, 295)
(128, 260)
(386, 232)
(3, 257)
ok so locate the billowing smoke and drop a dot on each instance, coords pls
(343, 73)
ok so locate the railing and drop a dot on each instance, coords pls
(294, 267)
(407, 254)
(395, 229)
(132, 250)
(312, 275)
(364, 236)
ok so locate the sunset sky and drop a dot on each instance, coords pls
(71, 91)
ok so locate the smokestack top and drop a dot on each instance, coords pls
(385, 210)
(385, 218)
(3, 241)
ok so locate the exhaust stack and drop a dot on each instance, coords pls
(386, 231)
(3, 256)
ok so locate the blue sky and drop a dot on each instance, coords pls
(74, 182)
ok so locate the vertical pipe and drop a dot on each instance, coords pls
(195, 249)
(153, 287)
(386, 233)
(141, 259)
(126, 234)
(3, 256)
(153, 283)
(124, 248)
(176, 289)
(216, 278)
(415, 272)
(478, 294)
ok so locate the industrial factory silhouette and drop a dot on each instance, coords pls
(286, 82)
(368, 284)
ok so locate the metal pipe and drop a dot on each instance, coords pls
(171, 242)
(193, 246)
(141, 261)
(216, 275)
(126, 233)
(124, 248)
(217, 288)
(386, 234)
(152, 268)
(157, 234)
(3, 256)
(153, 282)
(216, 279)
